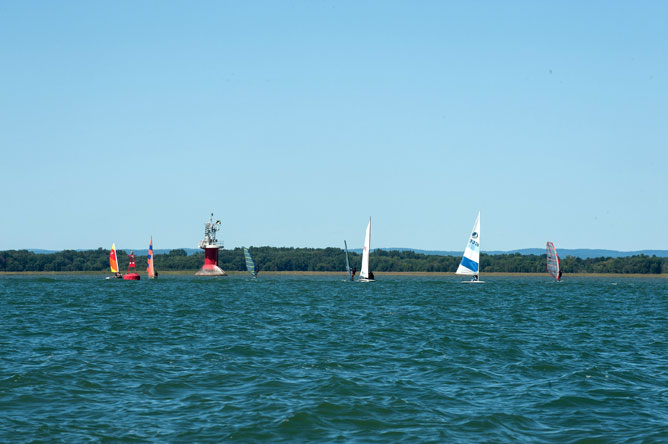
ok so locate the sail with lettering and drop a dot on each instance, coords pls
(553, 261)
(113, 259)
(149, 266)
(365, 274)
(250, 265)
(470, 263)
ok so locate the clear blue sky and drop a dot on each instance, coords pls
(295, 121)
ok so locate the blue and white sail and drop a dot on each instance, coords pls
(250, 265)
(471, 260)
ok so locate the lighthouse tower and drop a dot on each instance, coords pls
(210, 246)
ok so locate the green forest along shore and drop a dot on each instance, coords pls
(273, 259)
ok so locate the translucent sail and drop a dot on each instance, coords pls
(471, 259)
(113, 260)
(250, 265)
(149, 266)
(350, 274)
(364, 273)
(552, 260)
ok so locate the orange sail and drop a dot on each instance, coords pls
(149, 267)
(113, 260)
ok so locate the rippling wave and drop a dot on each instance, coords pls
(289, 359)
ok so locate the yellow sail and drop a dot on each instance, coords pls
(113, 260)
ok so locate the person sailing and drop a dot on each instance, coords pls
(560, 273)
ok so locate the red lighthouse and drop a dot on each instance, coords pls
(210, 246)
(131, 264)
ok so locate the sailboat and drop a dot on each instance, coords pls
(471, 259)
(553, 261)
(149, 266)
(250, 265)
(348, 269)
(113, 263)
(365, 274)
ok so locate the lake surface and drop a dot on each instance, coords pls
(309, 358)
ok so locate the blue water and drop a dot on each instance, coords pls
(291, 358)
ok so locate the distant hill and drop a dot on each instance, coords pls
(582, 253)
(585, 253)
(139, 252)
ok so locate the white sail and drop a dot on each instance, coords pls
(471, 259)
(350, 273)
(364, 273)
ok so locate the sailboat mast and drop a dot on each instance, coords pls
(350, 276)
(478, 274)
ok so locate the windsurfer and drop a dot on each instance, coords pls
(474, 278)
(560, 273)
(352, 275)
(371, 278)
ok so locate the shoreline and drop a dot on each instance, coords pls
(341, 273)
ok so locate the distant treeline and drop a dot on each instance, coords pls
(324, 259)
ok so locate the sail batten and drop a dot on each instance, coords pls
(470, 263)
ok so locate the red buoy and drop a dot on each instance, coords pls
(210, 246)
(131, 264)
